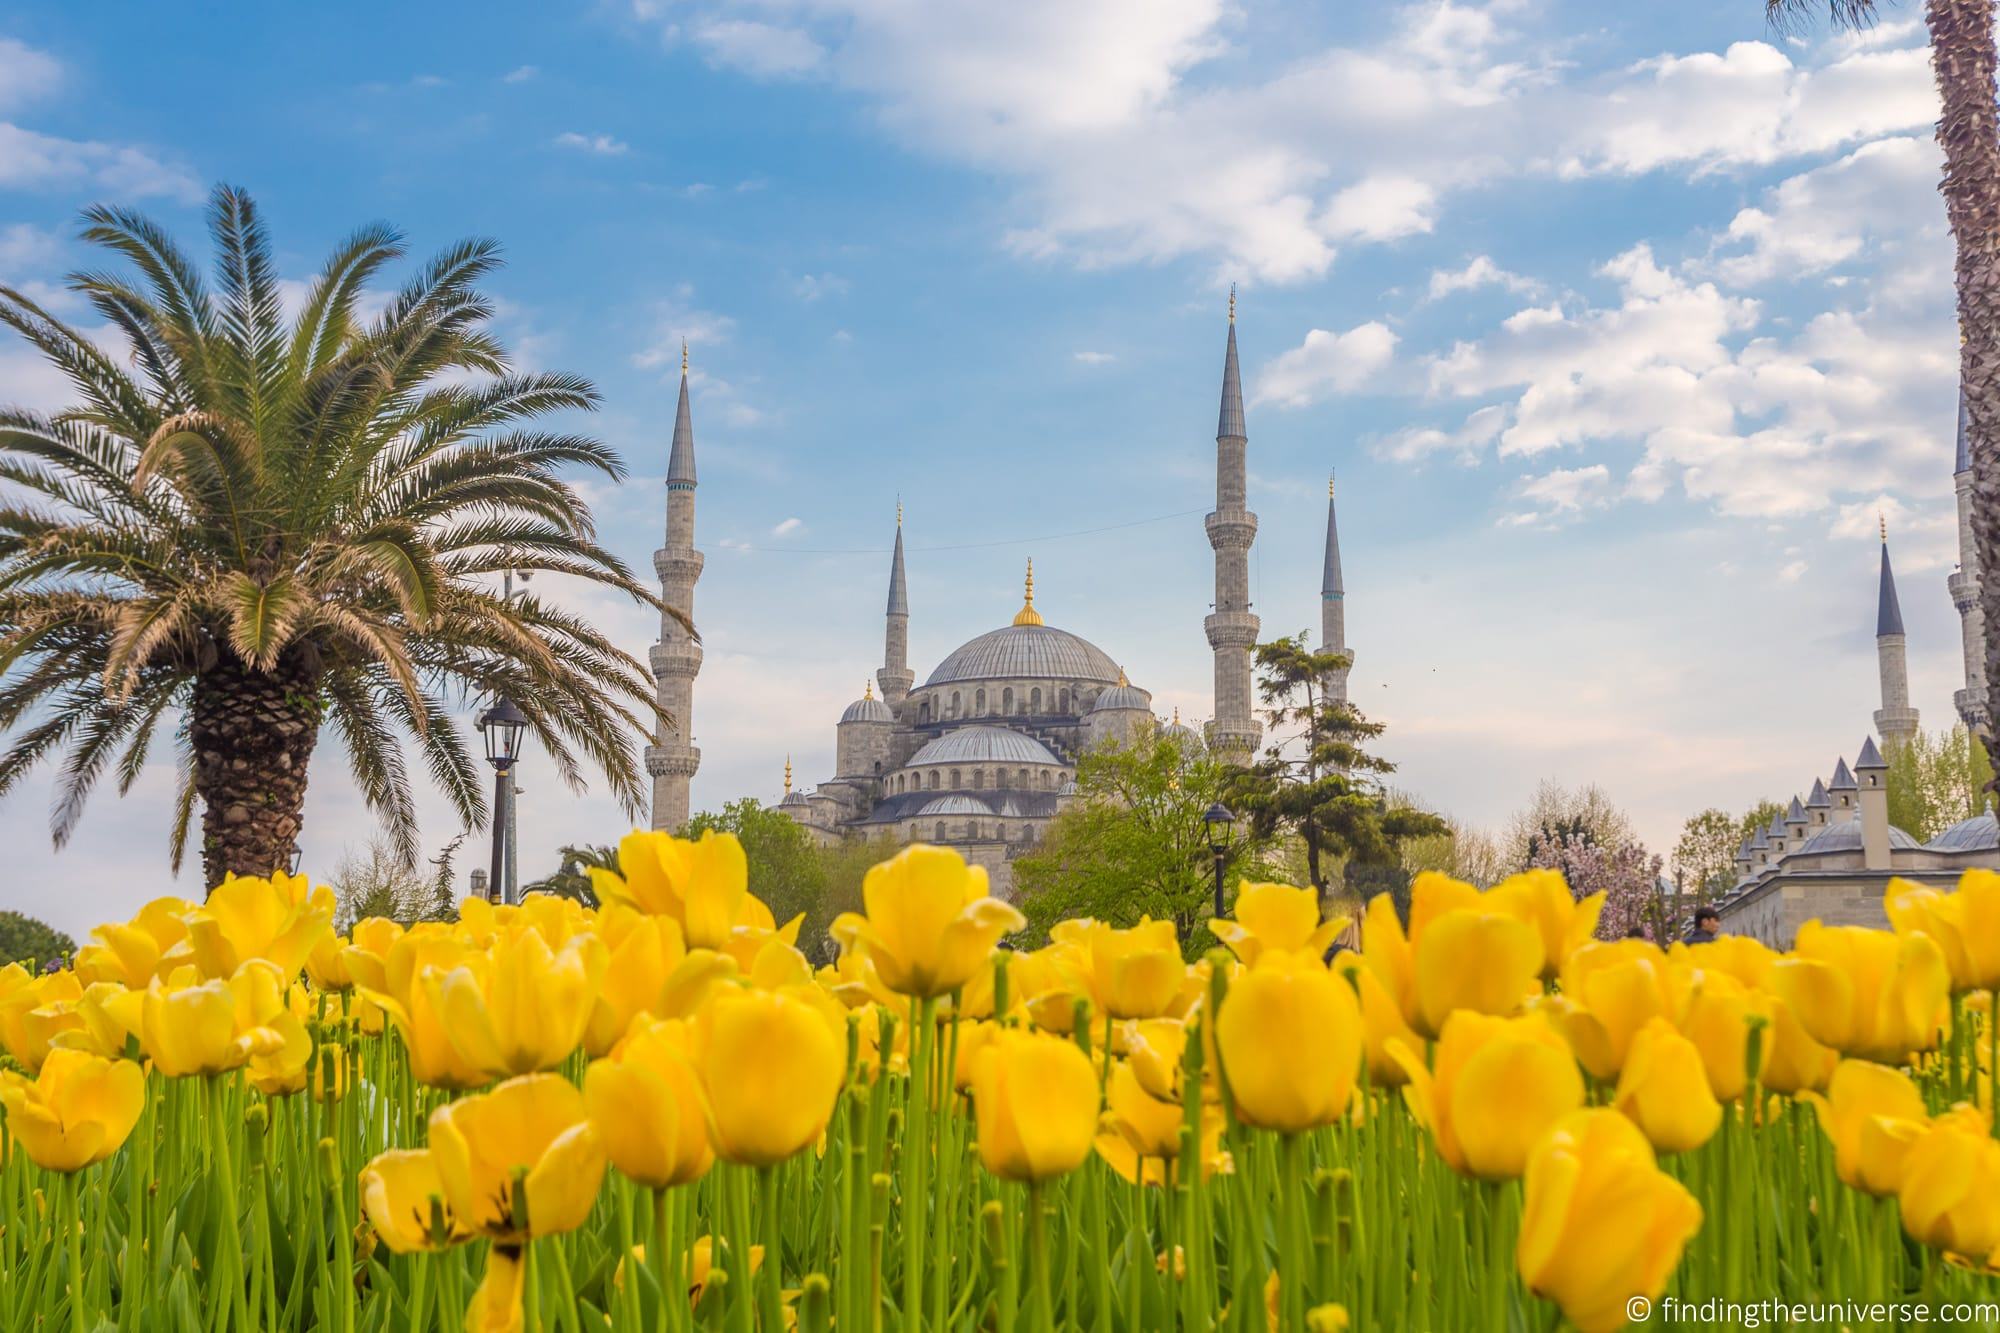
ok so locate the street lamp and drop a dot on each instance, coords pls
(1219, 824)
(502, 725)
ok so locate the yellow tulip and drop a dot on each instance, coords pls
(398, 1191)
(1382, 1020)
(1139, 1134)
(1964, 924)
(1664, 1090)
(1035, 1101)
(930, 924)
(1154, 1047)
(77, 1111)
(113, 1019)
(1290, 1039)
(1484, 961)
(646, 1102)
(129, 953)
(649, 971)
(364, 955)
(214, 1026)
(1798, 1063)
(1609, 992)
(496, 1305)
(1866, 993)
(35, 1011)
(974, 1035)
(1126, 973)
(1872, 1113)
(1497, 1086)
(1950, 1194)
(407, 996)
(1043, 983)
(531, 1130)
(771, 1070)
(280, 919)
(1592, 1177)
(281, 1072)
(1542, 899)
(527, 1010)
(700, 884)
(1276, 916)
(754, 927)
(1744, 957)
(1716, 1018)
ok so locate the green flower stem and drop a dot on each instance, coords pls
(771, 1301)
(1042, 1314)
(1292, 1263)
(230, 1265)
(916, 1156)
(72, 1224)
(666, 1260)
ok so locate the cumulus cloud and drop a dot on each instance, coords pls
(811, 287)
(1479, 271)
(601, 144)
(25, 73)
(787, 527)
(31, 160)
(1095, 358)
(1327, 363)
(1822, 218)
(678, 319)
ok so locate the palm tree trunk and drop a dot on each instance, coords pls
(253, 733)
(1962, 56)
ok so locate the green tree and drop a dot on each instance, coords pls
(1704, 862)
(1758, 816)
(1557, 816)
(1461, 851)
(572, 878)
(1316, 781)
(786, 870)
(24, 939)
(1133, 844)
(264, 526)
(1935, 780)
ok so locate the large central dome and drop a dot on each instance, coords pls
(1024, 652)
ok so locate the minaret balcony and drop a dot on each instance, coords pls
(678, 567)
(679, 761)
(1971, 707)
(672, 660)
(1231, 529)
(1964, 590)
(1231, 629)
(1228, 738)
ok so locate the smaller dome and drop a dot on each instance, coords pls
(954, 805)
(1846, 837)
(1122, 696)
(1180, 730)
(984, 744)
(1981, 833)
(869, 709)
(794, 798)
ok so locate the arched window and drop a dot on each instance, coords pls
(1000, 778)
(924, 712)
(878, 765)
(954, 780)
(1007, 700)
(954, 705)
(979, 700)
(1035, 700)
(934, 779)
(1064, 705)
(1047, 778)
(978, 778)
(1024, 777)
(940, 830)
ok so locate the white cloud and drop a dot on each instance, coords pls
(1792, 572)
(1821, 218)
(24, 248)
(1566, 490)
(1327, 363)
(787, 527)
(602, 144)
(25, 73)
(764, 49)
(521, 74)
(1381, 208)
(30, 160)
(1479, 271)
(1467, 441)
(1094, 358)
(678, 319)
(811, 287)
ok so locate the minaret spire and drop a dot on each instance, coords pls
(1964, 585)
(895, 675)
(1028, 615)
(1333, 604)
(1232, 627)
(676, 658)
(1895, 720)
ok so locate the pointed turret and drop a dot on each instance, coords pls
(1333, 603)
(895, 675)
(1895, 719)
(672, 758)
(1232, 627)
(1872, 773)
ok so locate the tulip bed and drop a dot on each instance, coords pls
(657, 1116)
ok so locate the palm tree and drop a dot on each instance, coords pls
(1963, 59)
(254, 526)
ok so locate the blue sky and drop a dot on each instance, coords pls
(1620, 323)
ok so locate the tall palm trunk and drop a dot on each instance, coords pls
(1962, 55)
(253, 733)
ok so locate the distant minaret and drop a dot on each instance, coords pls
(1333, 605)
(895, 675)
(676, 657)
(1964, 586)
(1895, 720)
(1232, 628)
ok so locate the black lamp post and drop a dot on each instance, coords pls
(1219, 824)
(502, 725)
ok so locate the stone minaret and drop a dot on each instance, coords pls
(1333, 605)
(895, 676)
(1895, 720)
(1964, 586)
(676, 657)
(1232, 627)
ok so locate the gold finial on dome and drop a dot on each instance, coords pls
(1121, 677)
(868, 689)
(1232, 303)
(1329, 483)
(899, 511)
(788, 775)
(1882, 521)
(684, 358)
(1177, 715)
(1028, 615)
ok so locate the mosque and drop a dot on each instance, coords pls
(983, 754)
(1830, 855)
